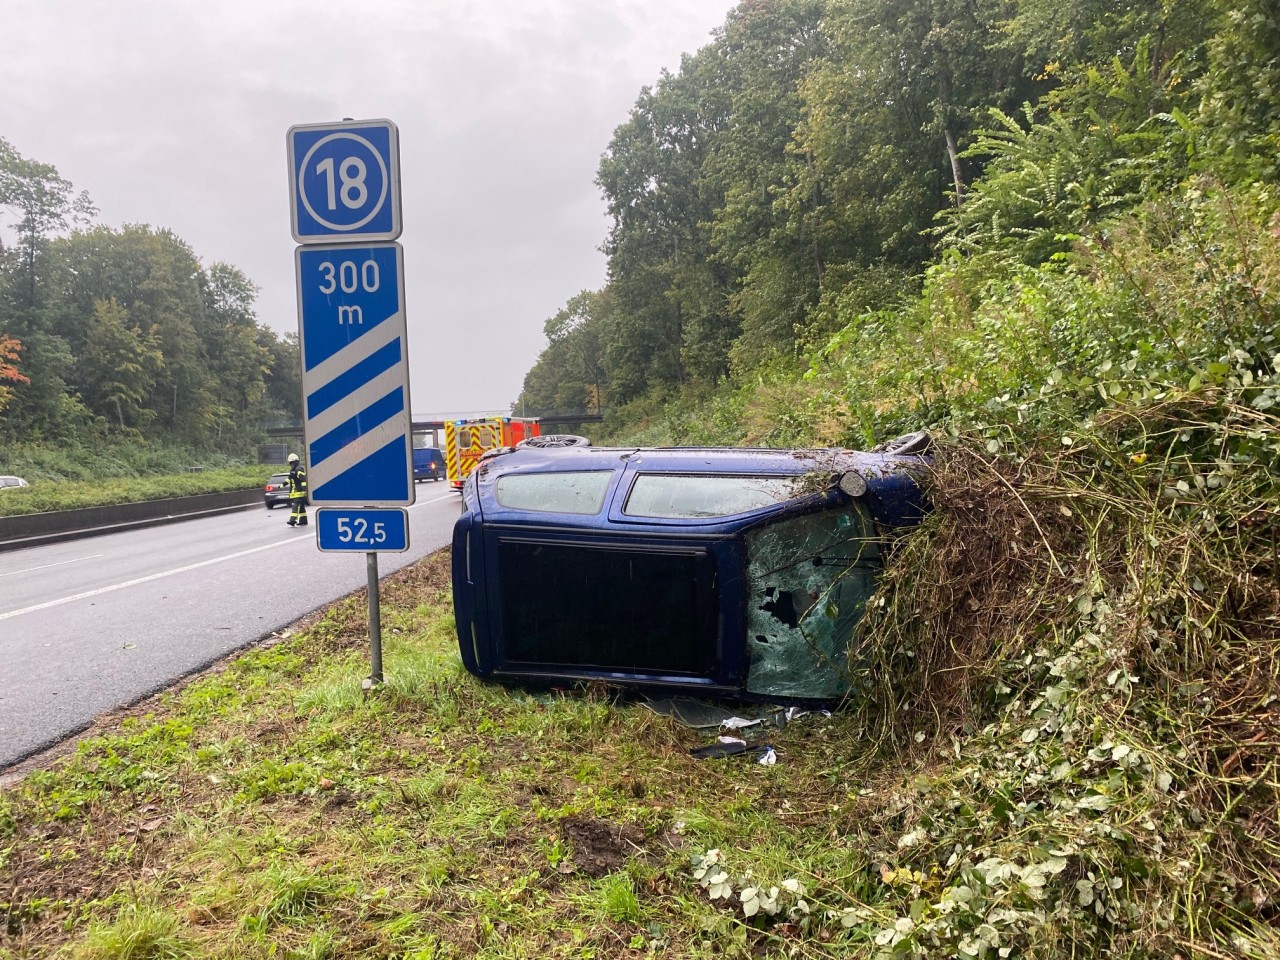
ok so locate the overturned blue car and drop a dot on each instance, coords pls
(713, 572)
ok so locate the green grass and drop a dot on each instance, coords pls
(275, 809)
(48, 495)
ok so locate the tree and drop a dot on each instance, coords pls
(238, 362)
(9, 373)
(119, 367)
(284, 388)
(45, 205)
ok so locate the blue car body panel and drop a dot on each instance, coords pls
(660, 603)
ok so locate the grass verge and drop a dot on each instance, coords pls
(272, 809)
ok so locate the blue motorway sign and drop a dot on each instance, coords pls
(355, 375)
(344, 181)
(362, 531)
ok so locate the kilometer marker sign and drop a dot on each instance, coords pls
(345, 530)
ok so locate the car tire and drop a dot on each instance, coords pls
(909, 444)
(552, 440)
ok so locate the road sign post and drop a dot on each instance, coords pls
(344, 203)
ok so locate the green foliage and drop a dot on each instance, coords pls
(1069, 671)
(125, 332)
(815, 144)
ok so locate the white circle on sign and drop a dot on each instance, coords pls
(302, 191)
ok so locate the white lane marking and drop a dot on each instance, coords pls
(46, 566)
(447, 496)
(167, 573)
(154, 576)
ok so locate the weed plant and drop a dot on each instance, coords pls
(1067, 704)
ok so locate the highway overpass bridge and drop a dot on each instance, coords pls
(423, 427)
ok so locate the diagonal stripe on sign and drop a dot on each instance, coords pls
(349, 382)
(354, 428)
(360, 348)
(353, 453)
(355, 405)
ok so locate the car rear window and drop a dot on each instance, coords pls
(673, 496)
(579, 492)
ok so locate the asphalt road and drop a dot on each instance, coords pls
(90, 625)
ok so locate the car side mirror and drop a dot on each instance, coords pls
(852, 484)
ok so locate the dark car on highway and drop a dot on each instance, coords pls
(718, 572)
(276, 490)
(428, 463)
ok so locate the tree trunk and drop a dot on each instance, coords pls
(816, 199)
(953, 154)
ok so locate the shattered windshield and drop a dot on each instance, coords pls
(809, 580)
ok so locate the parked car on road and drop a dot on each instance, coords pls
(428, 464)
(276, 491)
(8, 483)
(711, 571)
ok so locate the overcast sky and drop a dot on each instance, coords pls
(174, 113)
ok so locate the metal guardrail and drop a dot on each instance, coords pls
(33, 529)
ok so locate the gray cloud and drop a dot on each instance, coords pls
(173, 112)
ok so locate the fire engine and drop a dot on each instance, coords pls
(465, 441)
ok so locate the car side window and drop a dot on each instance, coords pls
(580, 492)
(673, 496)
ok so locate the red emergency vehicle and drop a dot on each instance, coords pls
(465, 441)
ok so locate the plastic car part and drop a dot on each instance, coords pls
(555, 440)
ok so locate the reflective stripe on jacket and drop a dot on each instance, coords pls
(297, 483)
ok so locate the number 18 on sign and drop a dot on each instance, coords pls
(345, 181)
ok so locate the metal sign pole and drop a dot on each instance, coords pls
(375, 619)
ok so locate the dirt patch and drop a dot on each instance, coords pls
(600, 847)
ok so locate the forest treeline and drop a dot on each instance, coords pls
(1049, 233)
(823, 162)
(124, 334)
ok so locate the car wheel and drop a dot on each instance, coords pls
(906, 445)
(555, 440)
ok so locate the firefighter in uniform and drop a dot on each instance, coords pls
(297, 492)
